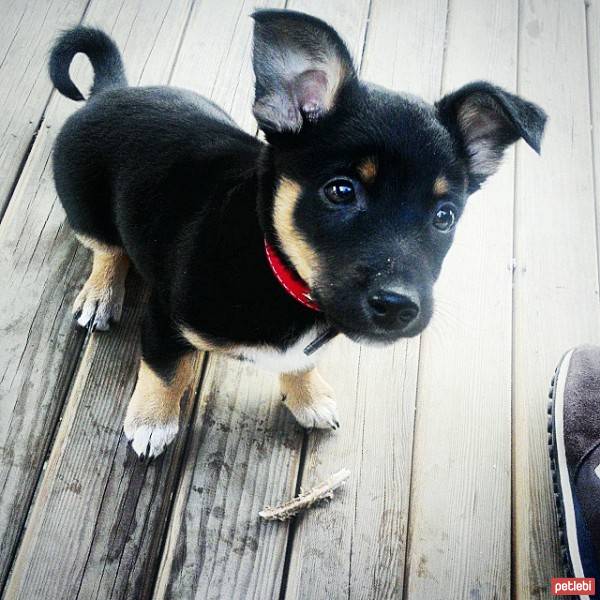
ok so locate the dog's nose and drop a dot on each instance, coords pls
(391, 309)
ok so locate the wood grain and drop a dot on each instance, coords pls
(217, 546)
(460, 521)
(556, 275)
(243, 455)
(592, 13)
(94, 529)
(435, 523)
(200, 562)
(26, 33)
(355, 547)
(246, 447)
(41, 270)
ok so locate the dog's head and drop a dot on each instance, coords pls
(370, 184)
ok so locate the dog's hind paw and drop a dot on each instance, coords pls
(148, 441)
(96, 308)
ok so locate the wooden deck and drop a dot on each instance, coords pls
(445, 435)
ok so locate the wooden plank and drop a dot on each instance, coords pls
(217, 62)
(94, 529)
(217, 547)
(593, 46)
(556, 277)
(244, 454)
(26, 33)
(41, 269)
(460, 522)
(355, 547)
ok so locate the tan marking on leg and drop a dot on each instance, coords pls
(156, 399)
(310, 399)
(440, 186)
(367, 170)
(152, 418)
(303, 257)
(100, 301)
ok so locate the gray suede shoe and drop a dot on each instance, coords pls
(575, 458)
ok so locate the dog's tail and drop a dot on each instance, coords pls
(99, 48)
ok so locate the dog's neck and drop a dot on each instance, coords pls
(267, 182)
(291, 282)
(280, 265)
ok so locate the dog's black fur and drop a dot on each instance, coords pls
(167, 175)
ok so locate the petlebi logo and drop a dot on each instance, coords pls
(568, 586)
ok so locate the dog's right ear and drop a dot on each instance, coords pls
(486, 120)
(300, 64)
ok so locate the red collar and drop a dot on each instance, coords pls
(291, 282)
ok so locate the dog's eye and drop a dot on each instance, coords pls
(444, 218)
(340, 191)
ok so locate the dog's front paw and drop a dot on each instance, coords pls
(310, 399)
(320, 413)
(148, 440)
(96, 307)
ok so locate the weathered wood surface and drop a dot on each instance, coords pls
(459, 540)
(430, 522)
(217, 547)
(356, 547)
(26, 30)
(41, 270)
(245, 448)
(243, 454)
(593, 45)
(95, 527)
(556, 275)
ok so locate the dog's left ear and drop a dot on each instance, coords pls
(487, 119)
(300, 64)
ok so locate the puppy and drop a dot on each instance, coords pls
(339, 223)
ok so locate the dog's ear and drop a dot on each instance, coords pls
(487, 119)
(300, 64)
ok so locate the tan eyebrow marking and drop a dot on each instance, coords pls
(440, 186)
(367, 169)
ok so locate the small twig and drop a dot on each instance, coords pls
(305, 499)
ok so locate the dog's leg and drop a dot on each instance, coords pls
(152, 418)
(310, 399)
(100, 301)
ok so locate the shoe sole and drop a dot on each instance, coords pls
(563, 493)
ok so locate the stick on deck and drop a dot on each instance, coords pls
(305, 499)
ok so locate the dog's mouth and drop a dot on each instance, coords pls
(375, 336)
(356, 323)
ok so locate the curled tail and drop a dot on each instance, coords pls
(102, 52)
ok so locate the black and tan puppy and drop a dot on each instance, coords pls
(342, 220)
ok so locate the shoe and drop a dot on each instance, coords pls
(574, 427)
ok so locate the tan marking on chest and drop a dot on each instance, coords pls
(199, 341)
(270, 358)
(97, 246)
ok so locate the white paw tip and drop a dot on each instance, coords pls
(320, 415)
(148, 441)
(97, 310)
